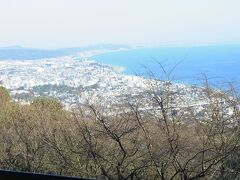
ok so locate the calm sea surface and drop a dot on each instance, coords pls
(221, 64)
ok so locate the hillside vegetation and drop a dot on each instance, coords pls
(123, 143)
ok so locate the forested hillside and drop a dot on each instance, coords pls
(124, 143)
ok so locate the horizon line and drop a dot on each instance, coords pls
(146, 45)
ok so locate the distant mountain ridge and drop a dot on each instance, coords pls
(21, 53)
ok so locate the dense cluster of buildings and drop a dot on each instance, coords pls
(75, 81)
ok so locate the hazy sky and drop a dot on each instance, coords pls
(64, 23)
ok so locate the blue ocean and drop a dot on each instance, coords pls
(220, 63)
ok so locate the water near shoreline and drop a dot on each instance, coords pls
(219, 63)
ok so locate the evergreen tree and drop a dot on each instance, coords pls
(4, 96)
